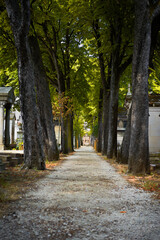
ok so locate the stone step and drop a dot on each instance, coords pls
(154, 166)
(17, 160)
(154, 159)
(10, 160)
(20, 160)
(14, 155)
(2, 167)
(13, 162)
(7, 164)
(5, 158)
(155, 154)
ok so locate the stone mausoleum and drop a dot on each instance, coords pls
(154, 121)
(6, 100)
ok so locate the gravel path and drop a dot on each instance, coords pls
(83, 198)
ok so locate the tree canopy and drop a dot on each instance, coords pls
(86, 49)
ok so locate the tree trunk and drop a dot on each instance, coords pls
(106, 94)
(70, 132)
(99, 144)
(71, 129)
(68, 85)
(64, 135)
(63, 86)
(113, 109)
(44, 101)
(114, 88)
(33, 144)
(106, 88)
(124, 151)
(139, 149)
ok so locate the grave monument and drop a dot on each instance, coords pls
(6, 100)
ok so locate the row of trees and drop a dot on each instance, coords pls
(81, 51)
(135, 149)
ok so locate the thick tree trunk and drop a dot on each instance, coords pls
(100, 127)
(33, 144)
(139, 150)
(44, 101)
(124, 151)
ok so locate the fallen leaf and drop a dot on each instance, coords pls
(122, 211)
(84, 211)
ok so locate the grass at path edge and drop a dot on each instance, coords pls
(15, 182)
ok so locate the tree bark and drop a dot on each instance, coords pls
(139, 149)
(68, 86)
(33, 145)
(64, 135)
(113, 111)
(114, 90)
(106, 94)
(44, 101)
(63, 78)
(124, 151)
(99, 144)
(117, 68)
(106, 89)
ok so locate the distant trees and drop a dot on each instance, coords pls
(113, 29)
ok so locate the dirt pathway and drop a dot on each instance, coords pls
(83, 198)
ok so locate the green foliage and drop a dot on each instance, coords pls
(8, 66)
(62, 106)
(154, 79)
(123, 88)
(94, 129)
(78, 124)
(52, 22)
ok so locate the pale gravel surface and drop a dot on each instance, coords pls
(83, 199)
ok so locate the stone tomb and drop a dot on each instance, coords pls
(6, 100)
(154, 123)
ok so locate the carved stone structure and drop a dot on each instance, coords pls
(154, 119)
(6, 100)
(154, 123)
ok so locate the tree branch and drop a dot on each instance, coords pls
(53, 82)
(7, 36)
(125, 64)
(14, 14)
